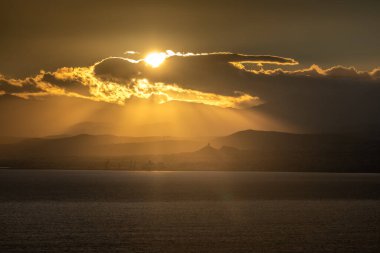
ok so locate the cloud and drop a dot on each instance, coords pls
(71, 85)
(119, 69)
(316, 71)
(131, 52)
(314, 98)
(375, 73)
(10, 86)
(118, 80)
(196, 66)
(34, 86)
(328, 100)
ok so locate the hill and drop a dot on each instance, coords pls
(97, 145)
(245, 150)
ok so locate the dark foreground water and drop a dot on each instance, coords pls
(109, 211)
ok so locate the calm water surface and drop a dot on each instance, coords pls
(113, 211)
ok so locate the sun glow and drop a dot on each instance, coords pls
(155, 59)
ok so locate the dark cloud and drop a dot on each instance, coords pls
(320, 103)
(188, 70)
(344, 72)
(314, 99)
(10, 86)
(118, 69)
(376, 73)
(69, 85)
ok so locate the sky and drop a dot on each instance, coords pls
(50, 34)
(299, 66)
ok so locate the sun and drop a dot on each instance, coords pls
(155, 59)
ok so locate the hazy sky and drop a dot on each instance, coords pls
(45, 34)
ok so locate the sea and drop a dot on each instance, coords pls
(200, 211)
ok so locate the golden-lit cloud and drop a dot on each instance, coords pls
(129, 82)
(59, 82)
(316, 71)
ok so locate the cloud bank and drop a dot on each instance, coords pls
(314, 98)
(117, 80)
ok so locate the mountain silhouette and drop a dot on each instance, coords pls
(266, 140)
(244, 150)
(98, 145)
(207, 150)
